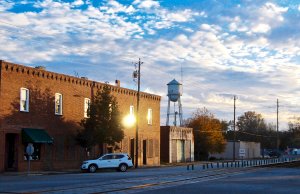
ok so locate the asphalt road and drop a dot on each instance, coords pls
(269, 180)
(160, 180)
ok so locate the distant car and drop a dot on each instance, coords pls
(274, 154)
(119, 161)
(265, 156)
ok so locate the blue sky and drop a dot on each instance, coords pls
(246, 48)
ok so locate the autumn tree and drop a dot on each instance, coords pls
(208, 135)
(103, 124)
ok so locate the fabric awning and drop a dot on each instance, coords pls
(35, 136)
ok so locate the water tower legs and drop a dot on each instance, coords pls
(168, 113)
(175, 112)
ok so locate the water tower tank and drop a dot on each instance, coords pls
(174, 90)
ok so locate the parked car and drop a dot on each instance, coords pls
(119, 161)
(274, 154)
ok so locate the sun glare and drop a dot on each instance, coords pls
(129, 121)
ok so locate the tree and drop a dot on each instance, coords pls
(104, 122)
(207, 133)
(293, 135)
(251, 126)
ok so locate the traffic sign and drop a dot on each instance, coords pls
(29, 149)
(242, 152)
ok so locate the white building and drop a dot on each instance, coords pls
(243, 150)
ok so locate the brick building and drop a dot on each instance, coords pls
(45, 108)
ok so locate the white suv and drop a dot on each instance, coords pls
(119, 161)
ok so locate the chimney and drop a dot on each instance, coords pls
(117, 83)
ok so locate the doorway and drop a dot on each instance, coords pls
(11, 152)
(144, 152)
(132, 150)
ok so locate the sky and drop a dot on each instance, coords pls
(216, 48)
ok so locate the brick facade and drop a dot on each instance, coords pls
(64, 153)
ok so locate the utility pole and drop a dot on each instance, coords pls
(277, 126)
(234, 137)
(137, 115)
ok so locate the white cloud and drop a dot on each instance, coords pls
(242, 61)
(5, 5)
(261, 28)
(78, 3)
(115, 7)
(146, 4)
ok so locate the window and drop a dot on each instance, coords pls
(149, 116)
(107, 157)
(24, 100)
(110, 108)
(87, 102)
(131, 110)
(58, 104)
(119, 156)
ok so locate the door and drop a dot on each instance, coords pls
(11, 152)
(144, 152)
(180, 150)
(106, 161)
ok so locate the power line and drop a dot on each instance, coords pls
(253, 134)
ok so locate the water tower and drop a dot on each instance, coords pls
(174, 93)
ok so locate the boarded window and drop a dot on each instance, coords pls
(150, 148)
(59, 148)
(156, 148)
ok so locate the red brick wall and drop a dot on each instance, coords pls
(42, 87)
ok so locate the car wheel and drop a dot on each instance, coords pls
(123, 167)
(92, 168)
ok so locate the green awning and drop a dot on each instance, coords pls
(35, 136)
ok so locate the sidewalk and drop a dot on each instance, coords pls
(37, 173)
(75, 171)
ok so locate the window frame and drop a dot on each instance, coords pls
(26, 108)
(60, 108)
(131, 110)
(150, 116)
(87, 103)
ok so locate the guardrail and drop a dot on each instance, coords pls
(244, 163)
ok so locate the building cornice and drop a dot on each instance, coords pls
(44, 74)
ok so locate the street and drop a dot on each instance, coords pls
(160, 180)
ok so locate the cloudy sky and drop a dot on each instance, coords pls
(216, 48)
